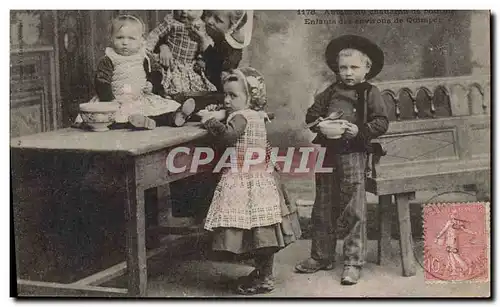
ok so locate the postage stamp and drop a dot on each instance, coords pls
(456, 242)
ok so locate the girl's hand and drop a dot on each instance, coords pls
(199, 28)
(205, 118)
(219, 115)
(351, 131)
(165, 56)
(148, 88)
(212, 107)
(205, 115)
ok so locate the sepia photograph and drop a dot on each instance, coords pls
(298, 153)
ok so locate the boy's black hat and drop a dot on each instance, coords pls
(360, 43)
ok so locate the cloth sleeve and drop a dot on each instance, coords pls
(219, 58)
(377, 120)
(153, 39)
(103, 78)
(318, 109)
(230, 132)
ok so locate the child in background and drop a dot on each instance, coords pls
(249, 214)
(182, 71)
(226, 34)
(340, 202)
(127, 75)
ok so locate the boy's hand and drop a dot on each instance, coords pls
(351, 131)
(148, 88)
(166, 56)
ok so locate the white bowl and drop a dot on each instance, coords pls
(99, 115)
(333, 129)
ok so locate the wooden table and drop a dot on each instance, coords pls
(131, 161)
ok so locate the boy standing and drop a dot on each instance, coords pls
(340, 204)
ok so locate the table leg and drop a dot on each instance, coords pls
(152, 217)
(405, 239)
(136, 235)
(385, 223)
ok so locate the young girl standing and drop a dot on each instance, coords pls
(249, 214)
(127, 75)
(222, 40)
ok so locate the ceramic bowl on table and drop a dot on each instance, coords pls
(98, 115)
(333, 129)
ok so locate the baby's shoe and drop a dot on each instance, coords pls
(184, 112)
(142, 122)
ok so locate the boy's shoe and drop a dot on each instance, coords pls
(350, 275)
(310, 266)
(142, 122)
(184, 112)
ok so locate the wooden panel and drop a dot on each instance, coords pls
(458, 100)
(481, 136)
(32, 92)
(25, 120)
(32, 71)
(152, 170)
(419, 146)
(437, 176)
(36, 29)
(67, 213)
(418, 141)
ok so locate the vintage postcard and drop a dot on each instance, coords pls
(251, 153)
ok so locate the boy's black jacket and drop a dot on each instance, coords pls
(371, 124)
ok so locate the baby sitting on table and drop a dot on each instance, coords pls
(129, 76)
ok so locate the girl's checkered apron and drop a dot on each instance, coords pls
(246, 199)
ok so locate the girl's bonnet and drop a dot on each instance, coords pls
(255, 87)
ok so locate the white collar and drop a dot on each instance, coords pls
(246, 29)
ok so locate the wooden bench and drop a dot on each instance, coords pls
(438, 140)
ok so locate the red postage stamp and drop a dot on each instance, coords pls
(456, 247)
